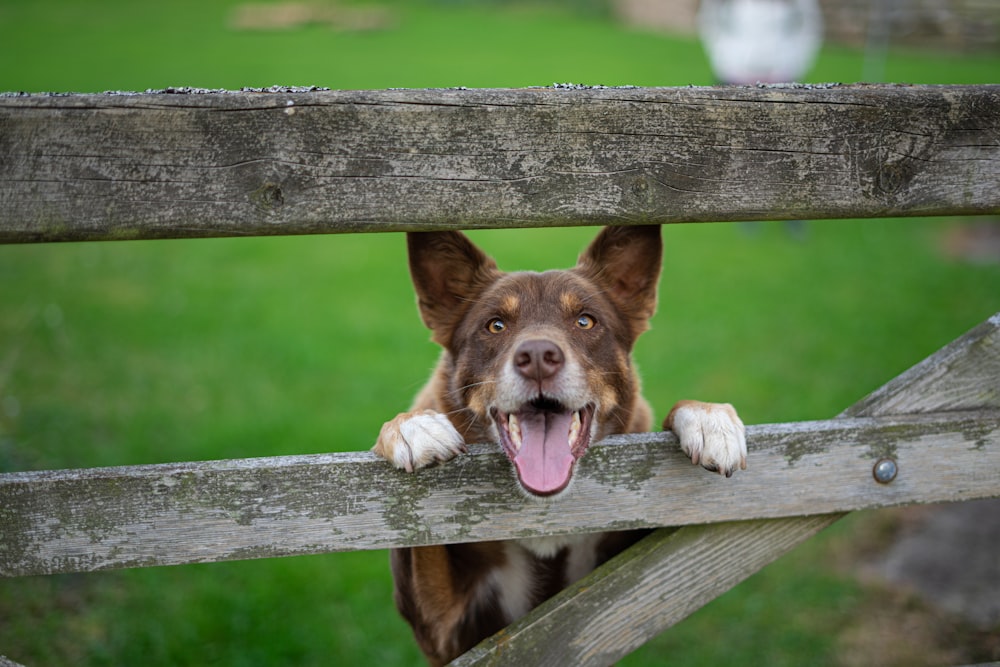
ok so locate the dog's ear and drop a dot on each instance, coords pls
(626, 262)
(448, 273)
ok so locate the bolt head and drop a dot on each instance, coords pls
(885, 471)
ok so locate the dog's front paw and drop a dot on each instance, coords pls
(414, 440)
(711, 434)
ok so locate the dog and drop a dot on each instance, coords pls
(541, 364)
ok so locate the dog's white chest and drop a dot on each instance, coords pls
(581, 557)
(515, 584)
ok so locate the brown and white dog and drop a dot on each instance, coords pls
(541, 363)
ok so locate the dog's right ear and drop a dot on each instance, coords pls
(448, 273)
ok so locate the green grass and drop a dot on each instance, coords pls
(66, 45)
(143, 352)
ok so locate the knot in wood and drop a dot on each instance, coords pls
(890, 177)
(268, 196)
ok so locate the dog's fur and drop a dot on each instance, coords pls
(541, 363)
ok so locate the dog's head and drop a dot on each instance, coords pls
(539, 361)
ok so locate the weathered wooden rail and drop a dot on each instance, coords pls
(102, 518)
(162, 165)
(88, 167)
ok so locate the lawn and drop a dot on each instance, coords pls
(145, 352)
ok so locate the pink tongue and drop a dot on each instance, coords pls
(544, 463)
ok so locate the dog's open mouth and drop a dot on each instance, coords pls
(544, 439)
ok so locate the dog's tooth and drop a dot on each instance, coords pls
(514, 426)
(574, 427)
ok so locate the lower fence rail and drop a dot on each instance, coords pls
(169, 514)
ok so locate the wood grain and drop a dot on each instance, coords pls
(163, 165)
(81, 520)
(964, 375)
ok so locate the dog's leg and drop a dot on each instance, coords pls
(712, 434)
(414, 440)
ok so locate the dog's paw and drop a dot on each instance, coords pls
(414, 440)
(711, 434)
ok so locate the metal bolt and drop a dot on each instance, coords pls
(885, 471)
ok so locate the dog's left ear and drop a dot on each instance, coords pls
(626, 261)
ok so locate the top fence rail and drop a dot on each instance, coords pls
(180, 164)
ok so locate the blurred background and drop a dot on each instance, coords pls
(147, 352)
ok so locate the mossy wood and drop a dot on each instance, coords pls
(80, 520)
(177, 165)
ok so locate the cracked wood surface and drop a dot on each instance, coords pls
(163, 165)
(132, 516)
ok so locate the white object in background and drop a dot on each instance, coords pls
(765, 41)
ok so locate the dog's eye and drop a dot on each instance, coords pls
(496, 325)
(585, 322)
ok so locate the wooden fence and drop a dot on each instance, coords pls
(197, 163)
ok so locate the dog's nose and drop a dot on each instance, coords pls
(538, 359)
